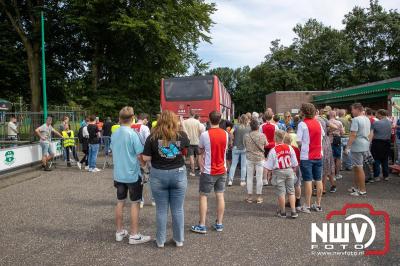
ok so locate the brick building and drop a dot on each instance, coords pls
(283, 101)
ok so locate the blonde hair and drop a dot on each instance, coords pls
(167, 128)
(126, 114)
(287, 139)
(243, 119)
(279, 135)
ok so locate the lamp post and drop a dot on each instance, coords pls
(43, 70)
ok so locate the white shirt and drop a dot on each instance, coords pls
(12, 129)
(193, 129)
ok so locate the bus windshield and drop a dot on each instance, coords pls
(188, 89)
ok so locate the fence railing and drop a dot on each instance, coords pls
(27, 122)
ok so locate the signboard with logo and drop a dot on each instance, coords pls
(14, 157)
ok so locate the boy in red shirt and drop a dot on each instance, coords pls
(280, 163)
(288, 139)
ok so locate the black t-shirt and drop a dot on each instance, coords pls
(166, 157)
(107, 129)
(93, 130)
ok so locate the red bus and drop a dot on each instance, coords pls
(202, 94)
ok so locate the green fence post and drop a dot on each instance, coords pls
(43, 71)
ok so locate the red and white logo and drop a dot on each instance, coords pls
(352, 231)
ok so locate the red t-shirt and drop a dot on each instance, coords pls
(297, 151)
(269, 131)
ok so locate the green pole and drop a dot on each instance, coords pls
(43, 71)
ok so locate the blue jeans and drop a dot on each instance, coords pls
(385, 168)
(235, 159)
(346, 158)
(169, 188)
(93, 151)
(107, 141)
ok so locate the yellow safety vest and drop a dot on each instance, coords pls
(69, 141)
(114, 128)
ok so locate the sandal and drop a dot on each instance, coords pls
(249, 200)
(260, 200)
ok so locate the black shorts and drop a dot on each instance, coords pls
(135, 190)
(193, 150)
(266, 151)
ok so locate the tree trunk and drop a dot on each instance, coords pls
(34, 76)
(95, 67)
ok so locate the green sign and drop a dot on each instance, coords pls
(10, 159)
(58, 146)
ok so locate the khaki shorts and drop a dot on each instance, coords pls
(360, 158)
(283, 180)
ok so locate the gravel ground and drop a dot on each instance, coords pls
(66, 217)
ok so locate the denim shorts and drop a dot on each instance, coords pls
(311, 170)
(47, 148)
(208, 182)
(337, 151)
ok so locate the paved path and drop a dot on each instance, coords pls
(66, 217)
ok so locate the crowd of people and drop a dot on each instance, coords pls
(303, 152)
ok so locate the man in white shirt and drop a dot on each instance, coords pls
(12, 130)
(193, 129)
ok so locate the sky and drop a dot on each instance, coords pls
(244, 29)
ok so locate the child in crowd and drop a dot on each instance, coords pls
(280, 164)
(69, 144)
(288, 139)
(293, 137)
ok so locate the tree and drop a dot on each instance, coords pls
(369, 32)
(24, 17)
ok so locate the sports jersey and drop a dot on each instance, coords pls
(282, 156)
(310, 134)
(215, 143)
(268, 129)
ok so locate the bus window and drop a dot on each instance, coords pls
(188, 89)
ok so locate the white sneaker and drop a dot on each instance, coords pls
(138, 239)
(86, 167)
(79, 165)
(178, 244)
(159, 245)
(119, 236)
(192, 174)
(229, 183)
(91, 170)
(352, 189)
(141, 204)
(242, 183)
(265, 182)
(305, 209)
(358, 193)
(96, 170)
(338, 177)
